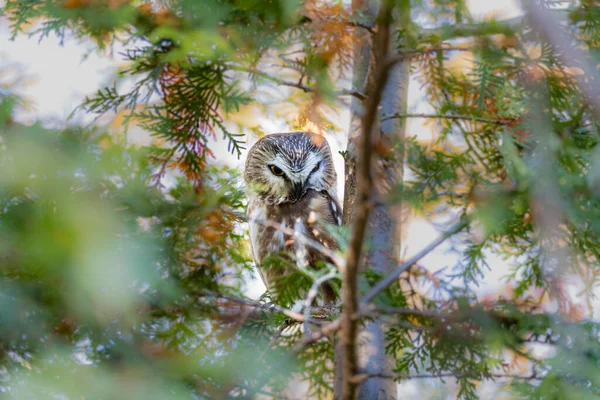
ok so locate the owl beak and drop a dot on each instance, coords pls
(298, 191)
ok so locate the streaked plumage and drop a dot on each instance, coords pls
(291, 181)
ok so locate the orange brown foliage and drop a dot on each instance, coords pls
(172, 76)
(215, 227)
(332, 35)
(159, 15)
(112, 4)
(213, 230)
(66, 327)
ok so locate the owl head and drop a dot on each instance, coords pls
(281, 167)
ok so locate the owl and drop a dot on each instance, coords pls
(291, 181)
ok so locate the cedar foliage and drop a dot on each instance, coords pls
(115, 284)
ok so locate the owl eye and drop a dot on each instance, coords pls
(316, 168)
(276, 170)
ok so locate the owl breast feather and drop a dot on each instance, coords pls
(308, 216)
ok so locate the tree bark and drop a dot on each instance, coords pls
(385, 221)
(360, 71)
(384, 238)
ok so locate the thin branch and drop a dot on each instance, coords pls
(353, 23)
(507, 27)
(258, 306)
(297, 85)
(451, 117)
(474, 148)
(312, 295)
(403, 54)
(325, 330)
(415, 53)
(550, 26)
(277, 335)
(391, 278)
(247, 389)
(408, 311)
(354, 93)
(361, 377)
(363, 25)
(466, 136)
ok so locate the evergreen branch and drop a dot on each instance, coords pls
(450, 117)
(473, 147)
(408, 311)
(507, 27)
(234, 144)
(550, 26)
(391, 278)
(361, 377)
(295, 316)
(297, 85)
(259, 391)
(262, 307)
(431, 49)
(335, 325)
(461, 315)
(353, 23)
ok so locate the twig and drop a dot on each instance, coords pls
(507, 27)
(361, 377)
(248, 390)
(414, 53)
(277, 334)
(354, 23)
(363, 25)
(297, 85)
(391, 278)
(262, 306)
(354, 93)
(312, 294)
(549, 25)
(325, 330)
(408, 311)
(451, 117)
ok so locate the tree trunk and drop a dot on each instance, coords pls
(385, 223)
(384, 239)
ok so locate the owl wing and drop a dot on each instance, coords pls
(258, 237)
(323, 210)
(256, 213)
(327, 207)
